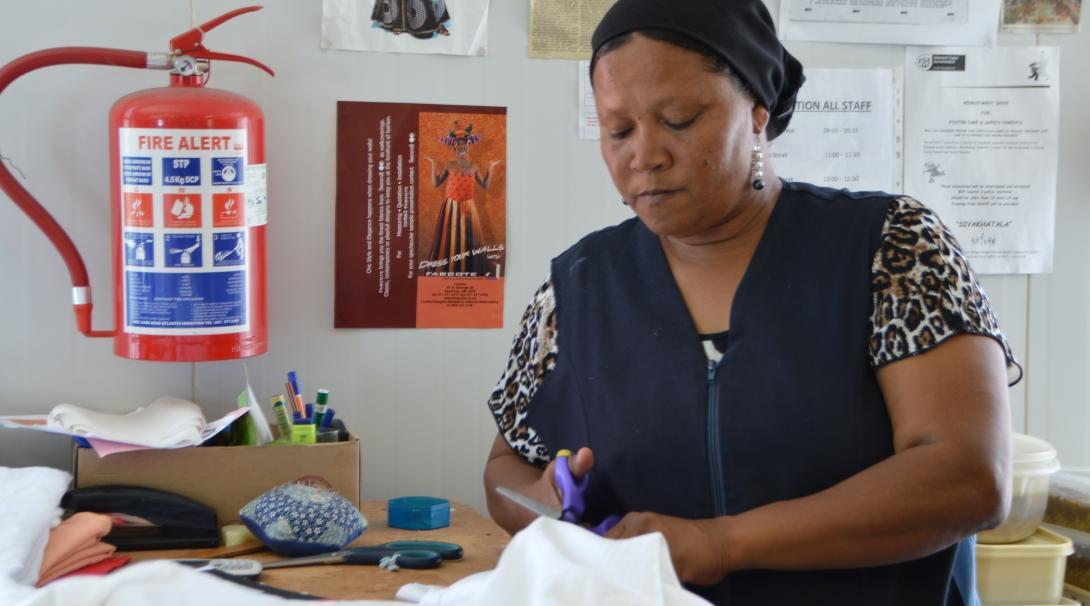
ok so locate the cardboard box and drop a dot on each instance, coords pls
(226, 477)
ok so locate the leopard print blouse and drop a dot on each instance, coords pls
(923, 290)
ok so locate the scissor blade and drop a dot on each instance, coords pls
(335, 557)
(537, 507)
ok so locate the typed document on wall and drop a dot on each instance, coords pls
(981, 143)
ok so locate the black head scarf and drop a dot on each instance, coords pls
(741, 31)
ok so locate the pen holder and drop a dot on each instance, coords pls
(304, 434)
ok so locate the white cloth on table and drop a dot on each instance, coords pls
(162, 583)
(165, 423)
(29, 508)
(553, 563)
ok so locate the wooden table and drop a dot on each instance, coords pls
(479, 536)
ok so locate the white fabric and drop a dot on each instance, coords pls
(553, 563)
(29, 499)
(165, 423)
(158, 583)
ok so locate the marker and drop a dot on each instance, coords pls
(283, 423)
(320, 406)
(297, 393)
(296, 401)
(294, 379)
(327, 418)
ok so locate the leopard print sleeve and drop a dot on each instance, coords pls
(924, 291)
(533, 356)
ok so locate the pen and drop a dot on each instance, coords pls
(296, 402)
(327, 418)
(296, 392)
(320, 406)
(283, 423)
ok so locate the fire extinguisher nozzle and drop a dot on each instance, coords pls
(83, 322)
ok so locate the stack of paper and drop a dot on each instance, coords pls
(165, 423)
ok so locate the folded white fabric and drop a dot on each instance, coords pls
(552, 563)
(29, 499)
(156, 583)
(165, 423)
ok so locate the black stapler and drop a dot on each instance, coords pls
(145, 518)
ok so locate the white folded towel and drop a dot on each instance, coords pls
(29, 507)
(165, 423)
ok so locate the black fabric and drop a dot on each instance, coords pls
(741, 31)
(798, 405)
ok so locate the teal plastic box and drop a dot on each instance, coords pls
(418, 513)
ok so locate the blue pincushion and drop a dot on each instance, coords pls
(298, 520)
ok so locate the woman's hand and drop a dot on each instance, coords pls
(494, 164)
(506, 468)
(544, 490)
(696, 546)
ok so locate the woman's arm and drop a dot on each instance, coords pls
(437, 181)
(948, 478)
(487, 176)
(506, 468)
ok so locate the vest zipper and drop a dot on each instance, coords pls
(715, 454)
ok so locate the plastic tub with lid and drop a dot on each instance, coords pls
(1030, 571)
(1033, 461)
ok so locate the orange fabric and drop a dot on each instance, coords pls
(75, 543)
(460, 187)
(101, 568)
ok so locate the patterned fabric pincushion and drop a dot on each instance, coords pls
(298, 520)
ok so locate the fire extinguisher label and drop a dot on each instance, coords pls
(256, 208)
(196, 301)
(187, 207)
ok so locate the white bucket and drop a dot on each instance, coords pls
(1034, 460)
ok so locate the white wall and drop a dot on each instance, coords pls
(416, 398)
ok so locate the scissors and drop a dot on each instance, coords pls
(410, 554)
(571, 493)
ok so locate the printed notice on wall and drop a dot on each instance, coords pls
(962, 22)
(459, 27)
(981, 142)
(561, 29)
(589, 129)
(845, 131)
(421, 216)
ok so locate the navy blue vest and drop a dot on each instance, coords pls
(793, 408)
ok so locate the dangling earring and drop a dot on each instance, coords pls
(757, 166)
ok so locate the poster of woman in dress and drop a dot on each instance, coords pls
(460, 244)
(421, 215)
(406, 26)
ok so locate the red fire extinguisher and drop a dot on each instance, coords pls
(187, 176)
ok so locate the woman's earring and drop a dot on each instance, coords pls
(757, 166)
(623, 201)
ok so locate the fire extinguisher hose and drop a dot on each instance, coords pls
(81, 290)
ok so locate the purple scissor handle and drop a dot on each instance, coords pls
(571, 494)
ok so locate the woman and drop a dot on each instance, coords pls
(458, 231)
(803, 389)
(420, 18)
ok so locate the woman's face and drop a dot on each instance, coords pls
(677, 138)
(461, 147)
